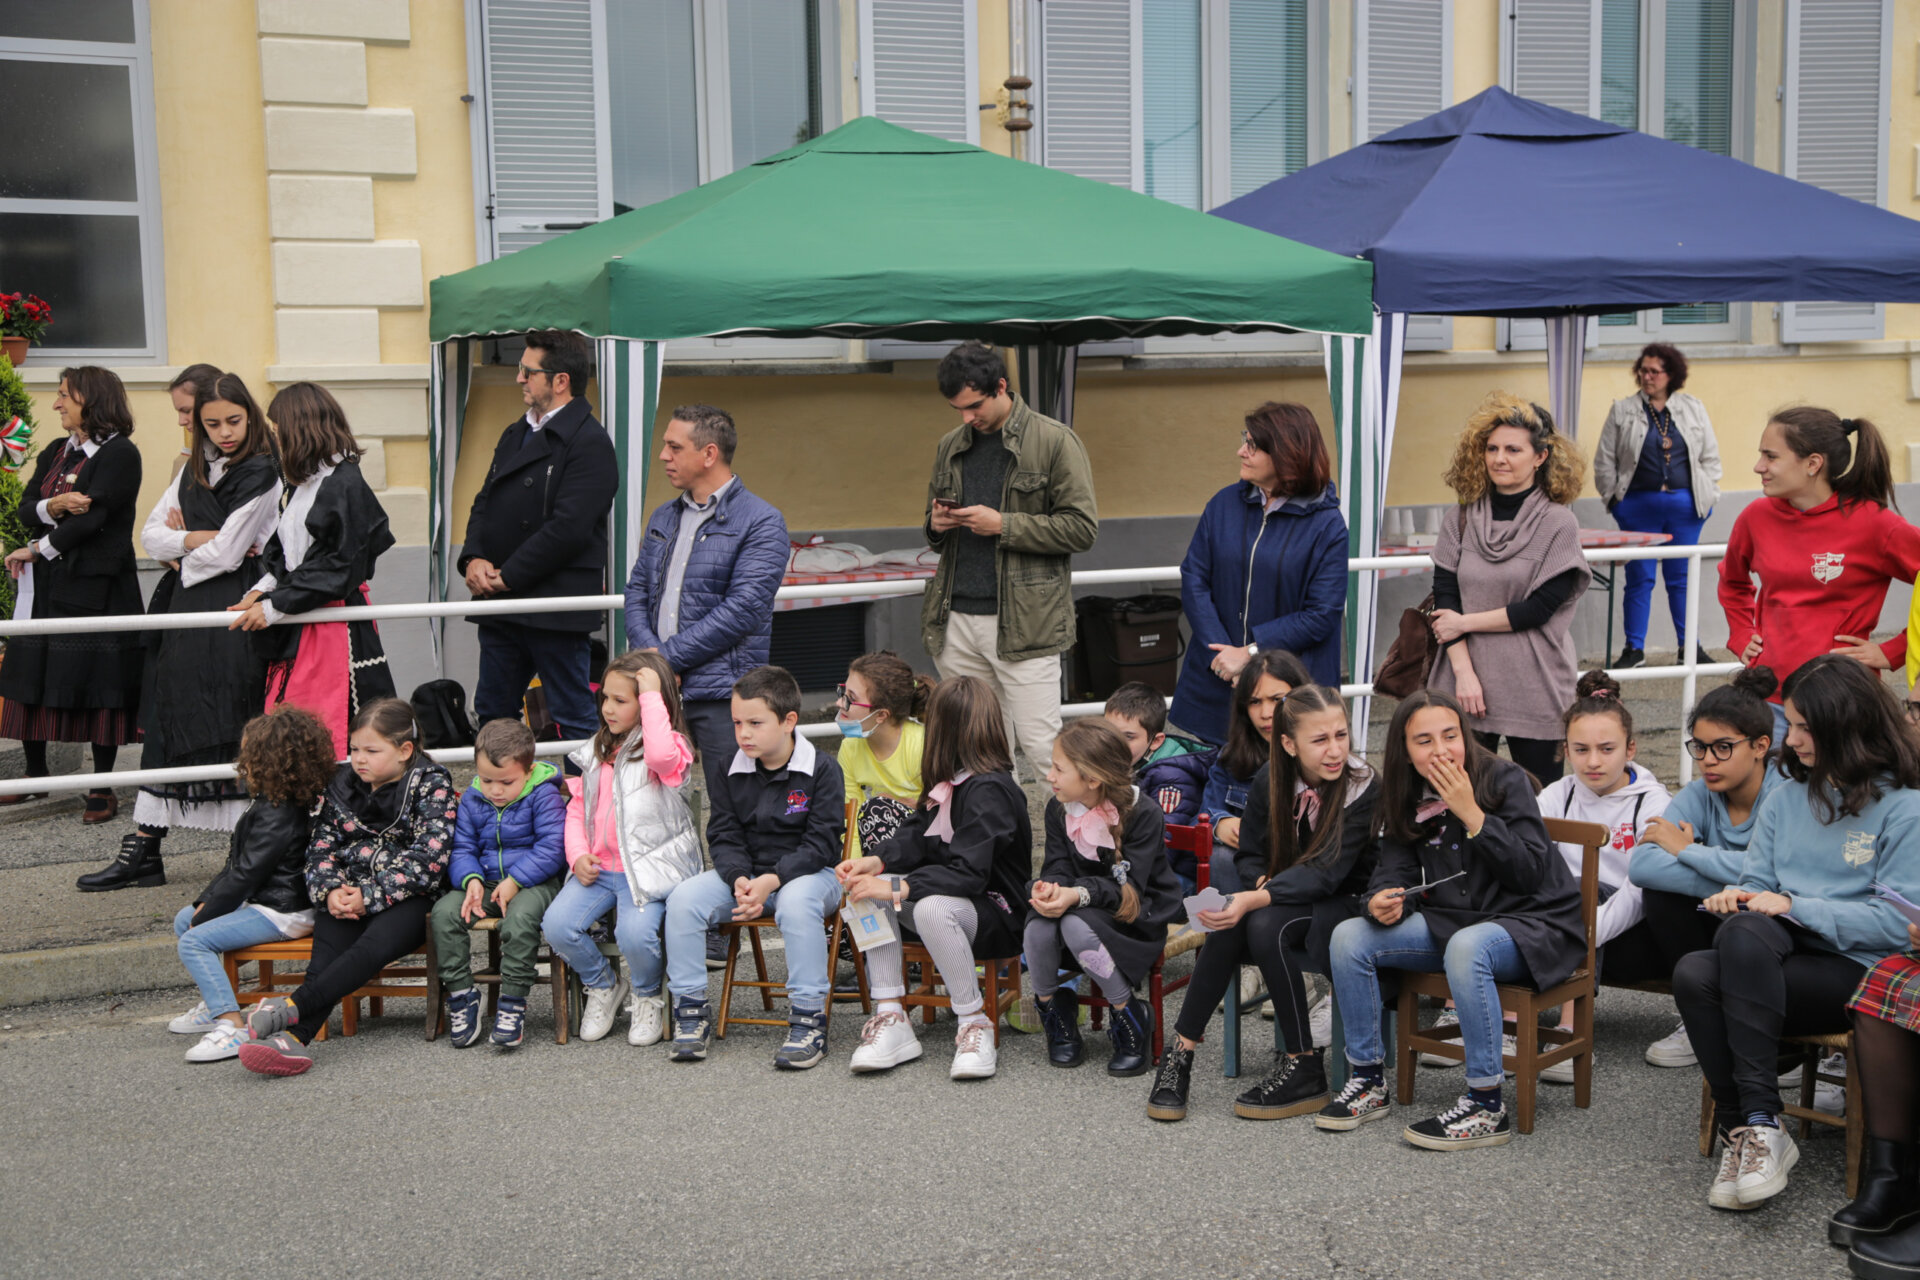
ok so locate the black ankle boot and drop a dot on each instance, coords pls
(1061, 1018)
(1889, 1195)
(1894, 1256)
(136, 866)
(1296, 1085)
(1168, 1101)
(1131, 1031)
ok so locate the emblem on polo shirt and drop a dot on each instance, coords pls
(1857, 848)
(1826, 565)
(796, 802)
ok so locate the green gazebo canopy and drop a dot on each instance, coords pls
(873, 230)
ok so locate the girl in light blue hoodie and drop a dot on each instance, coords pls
(1803, 923)
(1698, 846)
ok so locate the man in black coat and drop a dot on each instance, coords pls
(539, 528)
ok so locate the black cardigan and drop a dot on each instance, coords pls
(1330, 886)
(266, 862)
(1134, 944)
(95, 545)
(1515, 877)
(987, 862)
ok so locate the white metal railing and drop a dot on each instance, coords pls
(1689, 670)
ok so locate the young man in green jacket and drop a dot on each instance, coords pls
(1010, 502)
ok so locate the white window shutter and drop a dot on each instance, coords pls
(1551, 52)
(1402, 51)
(1835, 134)
(548, 150)
(1089, 101)
(920, 66)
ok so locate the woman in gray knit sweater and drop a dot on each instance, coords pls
(1507, 578)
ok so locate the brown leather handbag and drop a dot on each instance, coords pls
(1411, 657)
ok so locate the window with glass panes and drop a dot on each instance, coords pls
(79, 207)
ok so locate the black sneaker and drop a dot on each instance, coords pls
(463, 1018)
(1168, 1101)
(806, 1044)
(1359, 1101)
(692, 1030)
(1296, 1085)
(1060, 1017)
(1630, 657)
(1465, 1124)
(716, 950)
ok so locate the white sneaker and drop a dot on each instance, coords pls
(1320, 1021)
(602, 1004)
(219, 1044)
(1767, 1152)
(1560, 1072)
(1672, 1050)
(1447, 1018)
(1250, 986)
(196, 1021)
(1828, 1096)
(1722, 1194)
(974, 1055)
(646, 1019)
(886, 1041)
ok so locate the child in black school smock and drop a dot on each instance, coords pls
(1307, 871)
(1103, 899)
(1502, 908)
(955, 873)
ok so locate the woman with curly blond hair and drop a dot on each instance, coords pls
(286, 761)
(1507, 578)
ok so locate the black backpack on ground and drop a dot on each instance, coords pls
(441, 708)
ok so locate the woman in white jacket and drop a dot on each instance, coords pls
(1603, 785)
(1658, 468)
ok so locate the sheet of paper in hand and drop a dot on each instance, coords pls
(869, 923)
(1900, 904)
(1208, 899)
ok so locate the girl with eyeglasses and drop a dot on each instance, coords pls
(1803, 923)
(881, 740)
(1697, 847)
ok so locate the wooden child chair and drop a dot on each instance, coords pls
(1525, 1003)
(397, 979)
(488, 980)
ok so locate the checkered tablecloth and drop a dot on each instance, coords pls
(1590, 540)
(920, 574)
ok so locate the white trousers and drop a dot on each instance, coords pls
(1029, 691)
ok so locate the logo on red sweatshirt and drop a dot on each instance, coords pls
(1826, 565)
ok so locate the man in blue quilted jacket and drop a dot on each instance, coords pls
(702, 586)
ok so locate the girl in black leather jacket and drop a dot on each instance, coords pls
(260, 895)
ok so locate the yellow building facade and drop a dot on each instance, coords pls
(315, 163)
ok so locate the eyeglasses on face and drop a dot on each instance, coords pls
(844, 697)
(527, 371)
(1719, 750)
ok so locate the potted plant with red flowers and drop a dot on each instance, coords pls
(24, 318)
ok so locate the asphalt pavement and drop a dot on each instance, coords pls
(393, 1156)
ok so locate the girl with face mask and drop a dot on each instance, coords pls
(878, 716)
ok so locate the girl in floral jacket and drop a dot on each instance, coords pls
(377, 859)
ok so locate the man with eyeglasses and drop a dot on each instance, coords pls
(538, 528)
(1010, 504)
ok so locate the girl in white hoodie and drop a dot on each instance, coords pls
(1603, 784)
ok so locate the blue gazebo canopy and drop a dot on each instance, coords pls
(1506, 206)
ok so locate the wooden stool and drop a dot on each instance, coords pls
(1000, 985)
(1812, 1049)
(394, 980)
(489, 981)
(769, 989)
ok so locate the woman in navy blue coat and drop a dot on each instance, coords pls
(1267, 568)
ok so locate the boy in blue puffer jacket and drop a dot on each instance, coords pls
(509, 848)
(1169, 770)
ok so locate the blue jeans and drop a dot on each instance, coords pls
(1645, 511)
(1221, 873)
(511, 654)
(201, 945)
(635, 928)
(1475, 959)
(800, 907)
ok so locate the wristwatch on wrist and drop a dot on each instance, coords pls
(1252, 648)
(1086, 899)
